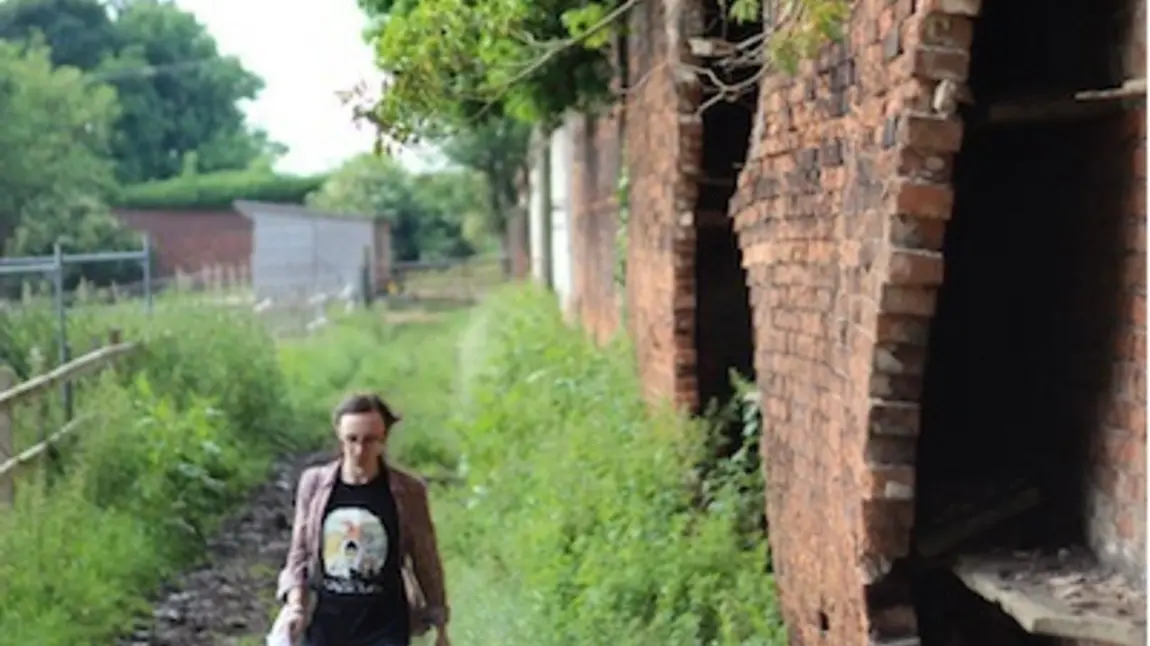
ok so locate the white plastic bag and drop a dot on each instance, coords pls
(280, 634)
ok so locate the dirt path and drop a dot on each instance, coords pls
(228, 601)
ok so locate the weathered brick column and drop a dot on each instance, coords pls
(841, 212)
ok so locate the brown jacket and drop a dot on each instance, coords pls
(419, 555)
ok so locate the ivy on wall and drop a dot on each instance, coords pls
(622, 225)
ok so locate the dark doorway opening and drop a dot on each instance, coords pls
(724, 340)
(1021, 339)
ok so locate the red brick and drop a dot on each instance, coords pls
(938, 63)
(193, 240)
(955, 7)
(893, 418)
(924, 200)
(912, 232)
(915, 268)
(934, 134)
(942, 30)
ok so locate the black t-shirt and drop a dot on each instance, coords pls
(361, 595)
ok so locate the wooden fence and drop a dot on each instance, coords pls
(13, 461)
(453, 280)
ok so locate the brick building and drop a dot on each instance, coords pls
(191, 240)
(943, 298)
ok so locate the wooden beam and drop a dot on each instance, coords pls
(67, 372)
(953, 533)
(33, 452)
(1067, 595)
(1084, 104)
(7, 442)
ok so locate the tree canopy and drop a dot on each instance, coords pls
(178, 95)
(427, 212)
(453, 63)
(54, 169)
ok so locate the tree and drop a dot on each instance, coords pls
(464, 224)
(178, 95)
(54, 169)
(423, 225)
(80, 32)
(497, 148)
(456, 61)
(187, 102)
(54, 135)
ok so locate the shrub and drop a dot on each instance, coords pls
(582, 503)
(174, 434)
(586, 518)
(412, 365)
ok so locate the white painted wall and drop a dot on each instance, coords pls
(561, 212)
(535, 212)
(300, 254)
(561, 255)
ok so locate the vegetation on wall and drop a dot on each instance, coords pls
(217, 190)
(622, 235)
(453, 63)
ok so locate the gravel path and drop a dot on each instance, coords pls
(228, 601)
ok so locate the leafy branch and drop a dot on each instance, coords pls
(454, 63)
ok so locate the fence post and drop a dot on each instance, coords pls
(7, 447)
(147, 267)
(62, 331)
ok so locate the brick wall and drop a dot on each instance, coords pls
(663, 140)
(841, 212)
(191, 240)
(1116, 502)
(597, 150)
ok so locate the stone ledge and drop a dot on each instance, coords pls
(1067, 595)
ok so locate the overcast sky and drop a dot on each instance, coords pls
(306, 51)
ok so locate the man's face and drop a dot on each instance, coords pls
(362, 437)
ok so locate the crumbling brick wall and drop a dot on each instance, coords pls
(1116, 500)
(842, 211)
(663, 143)
(597, 148)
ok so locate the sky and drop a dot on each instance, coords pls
(306, 51)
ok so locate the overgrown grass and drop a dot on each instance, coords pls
(176, 434)
(412, 365)
(584, 504)
(583, 519)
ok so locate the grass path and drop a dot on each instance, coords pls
(228, 599)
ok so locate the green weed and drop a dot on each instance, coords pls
(585, 517)
(173, 436)
(582, 505)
